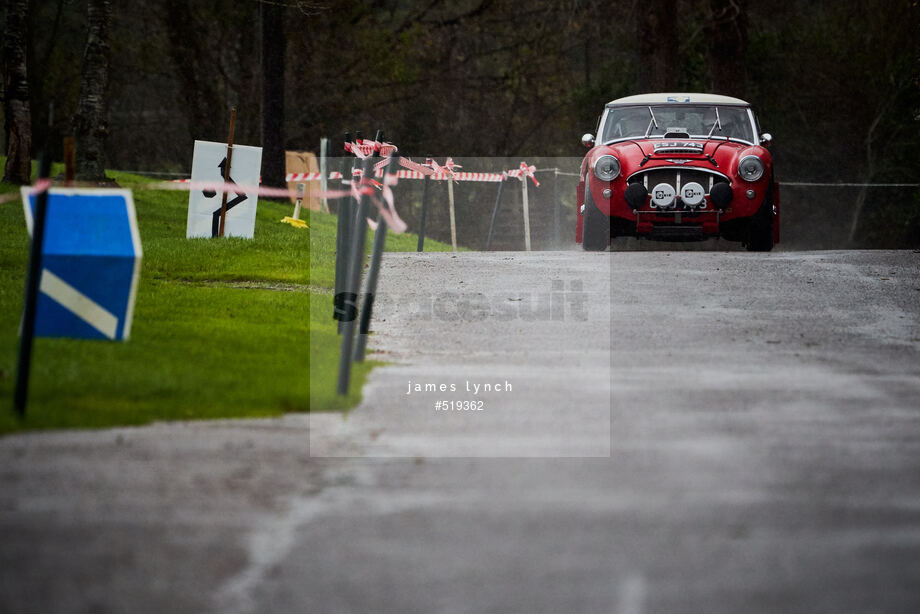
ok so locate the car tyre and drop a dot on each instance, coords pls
(760, 232)
(595, 227)
(761, 236)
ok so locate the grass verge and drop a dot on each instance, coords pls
(222, 328)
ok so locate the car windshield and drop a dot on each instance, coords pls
(693, 120)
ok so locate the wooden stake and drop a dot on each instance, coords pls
(453, 221)
(526, 213)
(557, 212)
(223, 198)
(324, 172)
(69, 160)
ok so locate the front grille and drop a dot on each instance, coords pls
(677, 176)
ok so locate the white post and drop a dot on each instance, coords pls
(299, 201)
(323, 175)
(526, 213)
(453, 221)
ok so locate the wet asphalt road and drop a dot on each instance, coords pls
(685, 432)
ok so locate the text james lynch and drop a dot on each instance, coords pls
(470, 387)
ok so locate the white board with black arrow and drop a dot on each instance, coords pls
(204, 204)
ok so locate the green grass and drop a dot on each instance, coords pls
(222, 328)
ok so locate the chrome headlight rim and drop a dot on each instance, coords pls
(760, 168)
(610, 176)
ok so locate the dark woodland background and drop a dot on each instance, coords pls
(834, 81)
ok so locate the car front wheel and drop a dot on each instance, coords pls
(596, 226)
(760, 232)
(761, 236)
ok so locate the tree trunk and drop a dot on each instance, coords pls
(869, 173)
(656, 45)
(727, 35)
(90, 124)
(196, 70)
(273, 48)
(16, 112)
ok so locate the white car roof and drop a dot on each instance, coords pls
(665, 98)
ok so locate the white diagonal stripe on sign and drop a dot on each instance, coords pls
(81, 305)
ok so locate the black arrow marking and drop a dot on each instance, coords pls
(240, 197)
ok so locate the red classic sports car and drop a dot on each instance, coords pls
(678, 167)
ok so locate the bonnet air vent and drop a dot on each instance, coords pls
(679, 147)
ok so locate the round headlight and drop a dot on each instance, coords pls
(606, 168)
(750, 168)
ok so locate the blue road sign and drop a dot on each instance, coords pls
(91, 261)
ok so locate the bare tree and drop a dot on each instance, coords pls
(16, 112)
(90, 124)
(196, 70)
(273, 48)
(727, 36)
(215, 61)
(656, 45)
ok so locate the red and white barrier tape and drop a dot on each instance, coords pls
(447, 170)
(524, 171)
(415, 170)
(40, 186)
(295, 177)
(492, 177)
(405, 163)
(402, 174)
(366, 148)
(358, 188)
(388, 208)
(422, 169)
(220, 186)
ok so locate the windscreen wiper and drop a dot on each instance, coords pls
(718, 123)
(715, 124)
(651, 122)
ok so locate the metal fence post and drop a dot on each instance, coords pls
(421, 222)
(367, 305)
(353, 283)
(342, 242)
(33, 273)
